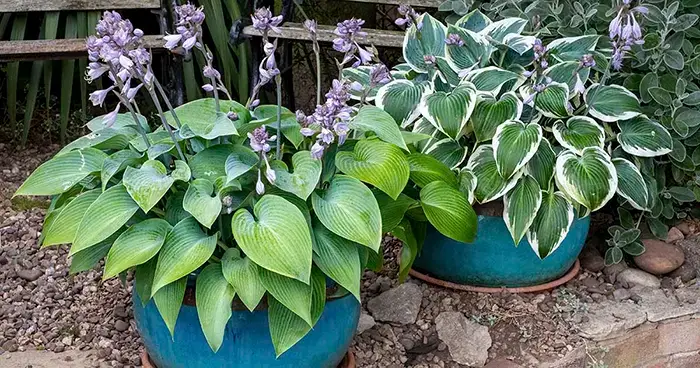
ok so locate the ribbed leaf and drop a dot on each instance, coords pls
(121, 121)
(67, 72)
(490, 79)
(574, 47)
(135, 246)
(338, 258)
(541, 165)
(88, 258)
(643, 137)
(243, 275)
(210, 163)
(589, 179)
(429, 40)
(490, 185)
(552, 223)
(186, 248)
(302, 181)
(520, 207)
(148, 184)
(220, 126)
(174, 212)
(199, 114)
(404, 232)
(293, 294)
(62, 172)
(214, 296)
(200, 203)
(290, 126)
(392, 211)
(104, 140)
(553, 101)
(426, 169)
(143, 280)
(467, 183)
(400, 99)
(169, 300)
(374, 119)
(240, 162)
(62, 229)
(631, 185)
(474, 21)
(611, 103)
(181, 172)
(564, 73)
(348, 208)
(514, 144)
(448, 151)
(449, 211)
(375, 162)
(489, 114)
(500, 29)
(279, 240)
(474, 50)
(578, 133)
(450, 112)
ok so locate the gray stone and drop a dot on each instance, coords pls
(609, 318)
(621, 294)
(613, 270)
(400, 305)
(366, 322)
(121, 326)
(674, 235)
(468, 342)
(592, 262)
(632, 277)
(660, 307)
(30, 275)
(685, 272)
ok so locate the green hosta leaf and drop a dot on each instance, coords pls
(374, 119)
(573, 47)
(158, 138)
(348, 208)
(63, 228)
(426, 169)
(220, 126)
(105, 139)
(292, 293)
(168, 300)
(449, 152)
(181, 172)
(243, 275)
(338, 258)
(400, 99)
(117, 162)
(514, 144)
(631, 185)
(107, 214)
(214, 296)
(564, 73)
(143, 280)
(429, 40)
(279, 240)
(552, 223)
(410, 249)
(500, 29)
(520, 207)
(375, 162)
(473, 52)
(62, 172)
(290, 126)
(135, 246)
(490, 79)
(541, 165)
(578, 133)
(553, 101)
(590, 179)
(88, 258)
(489, 114)
(449, 211)
(174, 212)
(643, 137)
(199, 202)
(186, 248)
(199, 114)
(450, 112)
(490, 184)
(148, 184)
(474, 21)
(239, 162)
(392, 211)
(307, 173)
(122, 121)
(210, 163)
(467, 183)
(611, 103)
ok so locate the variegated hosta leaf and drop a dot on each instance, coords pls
(243, 275)
(552, 223)
(400, 98)
(578, 133)
(62, 172)
(564, 73)
(360, 75)
(449, 152)
(348, 209)
(450, 112)
(449, 211)
(631, 184)
(279, 240)
(168, 300)
(514, 144)
(553, 101)
(490, 79)
(489, 183)
(445, 77)
(643, 137)
(473, 52)
(423, 126)
(500, 29)
(520, 207)
(107, 214)
(374, 119)
(375, 162)
(541, 165)
(200, 203)
(489, 114)
(135, 246)
(186, 248)
(426, 169)
(467, 183)
(62, 229)
(117, 162)
(338, 258)
(429, 40)
(302, 181)
(611, 103)
(573, 48)
(148, 184)
(474, 21)
(590, 179)
(214, 296)
(519, 43)
(292, 293)
(210, 163)
(239, 162)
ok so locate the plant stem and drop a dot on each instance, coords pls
(317, 52)
(136, 118)
(165, 123)
(278, 154)
(167, 103)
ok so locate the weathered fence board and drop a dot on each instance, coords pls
(296, 31)
(14, 6)
(57, 49)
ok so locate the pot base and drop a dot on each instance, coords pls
(481, 289)
(348, 360)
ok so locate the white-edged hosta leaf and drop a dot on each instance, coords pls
(489, 114)
(375, 162)
(589, 179)
(490, 79)
(348, 209)
(643, 137)
(552, 223)
(400, 99)
(117, 162)
(445, 76)
(107, 214)
(374, 119)
(449, 152)
(186, 248)
(631, 184)
(214, 296)
(210, 163)
(489, 183)
(338, 258)
(564, 73)
(168, 300)
(553, 101)
(611, 103)
(500, 29)
(473, 52)
(182, 171)
(306, 174)
(449, 211)
(578, 133)
(450, 112)
(136, 245)
(243, 275)
(277, 238)
(239, 162)
(474, 21)
(62, 172)
(360, 74)
(429, 40)
(426, 169)
(202, 202)
(514, 144)
(569, 48)
(467, 183)
(414, 137)
(148, 184)
(292, 293)
(541, 165)
(519, 43)
(392, 210)
(61, 230)
(520, 207)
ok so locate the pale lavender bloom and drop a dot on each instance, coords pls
(307, 132)
(189, 43)
(429, 59)
(317, 151)
(98, 97)
(379, 75)
(131, 92)
(208, 87)
(258, 140)
(255, 103)
(210, 72)
(346, 42)
(578, 86)
(259, 186)
(587, 61)
(189, 19)
(269, 173)
(624, 31)
(341, 129)
(408, 15)
(109, 119)
(172, 41)
(454, 39)
(264, 21)
(312, 27)
(232, 115)
(95, 70)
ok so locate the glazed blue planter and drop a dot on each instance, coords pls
(247, 340)
(492, 260)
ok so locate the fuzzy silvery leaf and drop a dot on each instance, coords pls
(630, 184)
(490, 185)
(400, 98)
(589, 179)
(578, 133)
(450, 112)
(514, 144)
(611, 103)
(643, 137)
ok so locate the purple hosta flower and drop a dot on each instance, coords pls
(305, 122)
(379, 75)
(624, 32)
(348, 31)
(188, 26)
(329, 120)
(259, 186)
(258, 140)
(131, 92)
(268, 67)
(210, 72)
(317, 151)
(429, 59)
(453, 39)
(311, 26)
(587, 61)
(208, 87)
(232, 116)
(95, 70)
(537, 88)
(408, 15)
(98, 97)
(109, 119)
(264, 21)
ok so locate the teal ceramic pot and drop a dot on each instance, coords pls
(492, 260)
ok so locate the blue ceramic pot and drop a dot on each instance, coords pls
(247, 340)
(492, 260)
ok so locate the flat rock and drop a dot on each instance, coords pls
(685, 272)
(366, 322)
(613, 270)
(674, 235)
(468, 342)
(400, 304)
(47, 359)
(632, 277)
(609, 318)
(660, 257)
(30, 275)
(660, 307)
